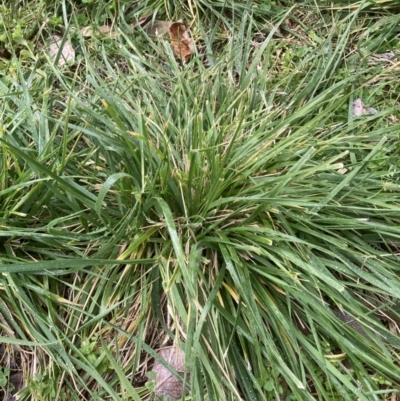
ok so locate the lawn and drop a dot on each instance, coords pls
(228, 217)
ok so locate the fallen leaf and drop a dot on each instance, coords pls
(359, 109)
(67, 52)
(181, 41)
(158, 28)
(88, 31)
(370, 110)
(104, 29)
(166, 383)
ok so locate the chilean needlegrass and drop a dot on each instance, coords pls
(237, 210)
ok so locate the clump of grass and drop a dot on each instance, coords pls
(238, 210)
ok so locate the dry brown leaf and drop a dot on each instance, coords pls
(181, 41)
(166, 383)
(67, 52)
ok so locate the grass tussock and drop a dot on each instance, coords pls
(232, 206)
